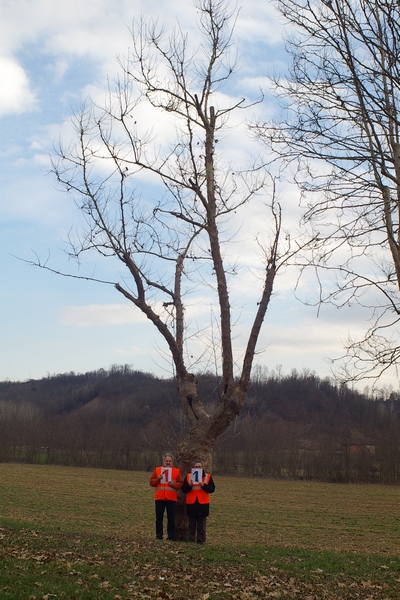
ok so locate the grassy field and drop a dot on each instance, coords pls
(89, 534)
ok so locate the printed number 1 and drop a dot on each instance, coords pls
(196, 476)
(165, 474)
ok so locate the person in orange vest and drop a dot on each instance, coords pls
(198, 485)
(167, 481)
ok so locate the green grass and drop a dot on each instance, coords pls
(89, 534)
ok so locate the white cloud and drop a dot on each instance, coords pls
(15, 96)
(101, 314)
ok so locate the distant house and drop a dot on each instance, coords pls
(359, 445)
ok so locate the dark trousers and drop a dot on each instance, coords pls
(197, 525)
(169, 506)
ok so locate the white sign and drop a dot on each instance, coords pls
(196, 476)
(166, 474)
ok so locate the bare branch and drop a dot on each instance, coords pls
(341, 132)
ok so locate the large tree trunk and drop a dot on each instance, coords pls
(194, 447)
(198, 444)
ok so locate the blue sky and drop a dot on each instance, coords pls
(52, 56)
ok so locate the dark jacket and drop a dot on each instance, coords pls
(196, 509)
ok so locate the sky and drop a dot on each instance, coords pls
(52, 57)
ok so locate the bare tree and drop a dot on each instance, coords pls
(184, 244)
(341, 130)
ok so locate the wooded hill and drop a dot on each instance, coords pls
(297, 426)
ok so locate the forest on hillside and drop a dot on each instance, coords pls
(293, 426)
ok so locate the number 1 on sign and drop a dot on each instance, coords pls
(197, 475)
(166, 475)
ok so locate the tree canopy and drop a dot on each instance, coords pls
(164, 188)
(341, 131)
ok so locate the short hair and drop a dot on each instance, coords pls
(200, 461)
(168, 454)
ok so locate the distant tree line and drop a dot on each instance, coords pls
(293, 426)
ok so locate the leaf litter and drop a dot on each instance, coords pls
(115, 569)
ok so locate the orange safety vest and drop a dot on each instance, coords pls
(197, 492)
(164, 491)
